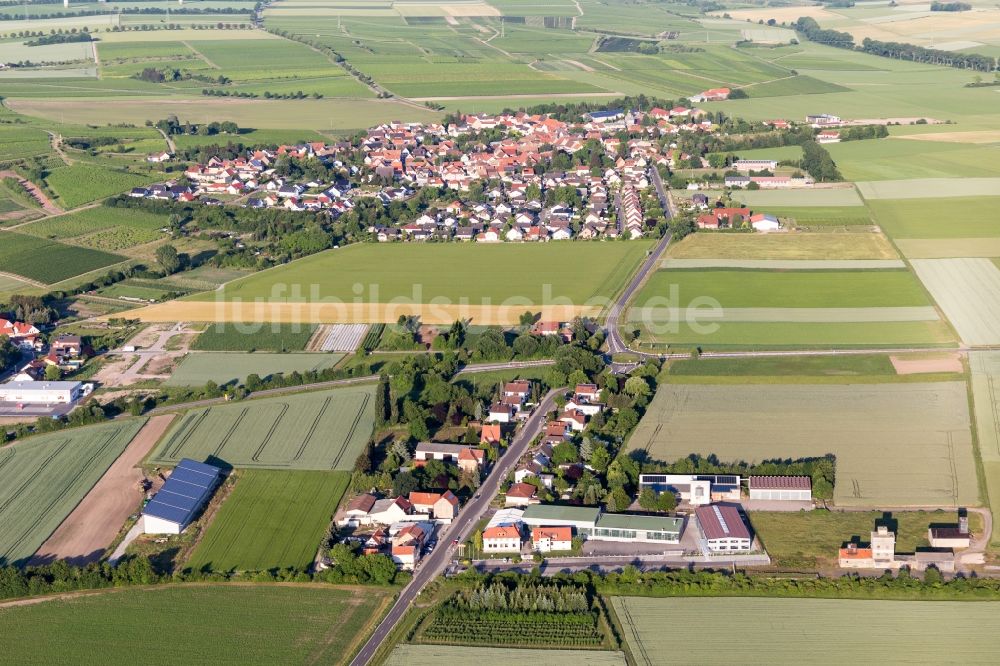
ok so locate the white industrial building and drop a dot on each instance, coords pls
(781, 488)
(695, 489)
(723, 528)
(187, 490)
(43, 393)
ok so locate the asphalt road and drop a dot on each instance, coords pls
(615, 343)
(435, 563)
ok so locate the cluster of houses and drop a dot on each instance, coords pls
(515, 398)
(28, 386)
(730, 217)
(403, 526)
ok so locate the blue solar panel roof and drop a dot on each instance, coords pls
(185, 492)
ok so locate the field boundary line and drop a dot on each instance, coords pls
(270, 433)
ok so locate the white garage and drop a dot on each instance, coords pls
(781, 488)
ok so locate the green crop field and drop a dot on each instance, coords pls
(434, 655)
(783, 246)
(228, 623)
(930, 188)
(271, 520)
(224, 367)
(43, 478)
(781, 631)
(896, 444)
(82, 183)
(479, 272)
(777, 289)
(897, 159)
(321, 430)
(812, 538)
(254, 337)
(47, 261)
(847, 367)
(938, 218)
(822, 216)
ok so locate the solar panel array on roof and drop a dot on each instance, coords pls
(184, 493)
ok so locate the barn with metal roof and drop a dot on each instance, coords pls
(181, 498)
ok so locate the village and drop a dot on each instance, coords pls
(515, 176)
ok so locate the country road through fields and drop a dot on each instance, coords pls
(434, 564)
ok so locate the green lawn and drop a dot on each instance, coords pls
(222, 368)
(487, 274)
(801, 289)
(271, 520)
(221, 624)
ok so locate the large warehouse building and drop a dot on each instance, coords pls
(590, 523)
(181, 498)
(43, 393)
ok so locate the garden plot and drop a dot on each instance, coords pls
(43, 478)
(198, 368)
(338, 337)
(896, 444)
(320, 430)
(782, 631)
(968, 291)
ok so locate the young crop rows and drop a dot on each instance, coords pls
(321, 430)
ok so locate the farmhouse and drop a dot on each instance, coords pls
(502, 539)
(436, 451)
(695, 489)
(711, 95)
(180, 499)
(43, 393)
(781, 488)
(441, 506)
(723, 528)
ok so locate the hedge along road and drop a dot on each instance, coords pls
(435, 563)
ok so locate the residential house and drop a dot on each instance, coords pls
(440, 506)
(548, 539)
(390, 511)
(408, 545)
(521, 495)
(501, 413)
(490, 433)
(358, 510)
(471, 460)
(575, 419)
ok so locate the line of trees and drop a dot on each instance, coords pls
(899, 50)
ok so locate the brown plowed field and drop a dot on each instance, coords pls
(86, 533)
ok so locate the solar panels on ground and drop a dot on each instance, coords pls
(184, 493)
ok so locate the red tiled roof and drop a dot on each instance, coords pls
(521, 490)
(553, 533)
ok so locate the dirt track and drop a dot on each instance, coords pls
(36, 192)
(346, 313)
(86, 533)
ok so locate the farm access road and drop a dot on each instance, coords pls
(334, 383)
(470, 515)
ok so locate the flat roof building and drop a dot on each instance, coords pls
(695, 489)
(180, 499)
(592, 524)
(43, 393)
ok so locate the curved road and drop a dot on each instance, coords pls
(434, 564)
